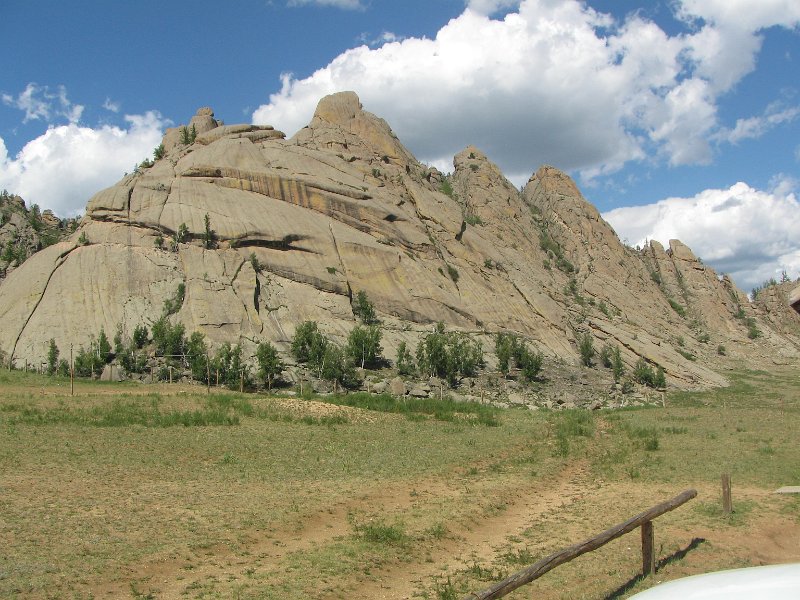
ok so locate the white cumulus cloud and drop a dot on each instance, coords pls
(62, 168)
(551, 81)
(748, 233)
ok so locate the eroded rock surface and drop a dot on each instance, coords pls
(299, 225)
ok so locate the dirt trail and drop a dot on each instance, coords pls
(480, 542)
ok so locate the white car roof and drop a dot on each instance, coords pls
(774, 582)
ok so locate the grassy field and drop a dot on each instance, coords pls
(169, 492)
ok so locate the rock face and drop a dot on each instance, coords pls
(297, 227)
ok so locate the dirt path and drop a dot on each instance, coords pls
(481, 542)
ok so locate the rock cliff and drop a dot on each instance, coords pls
(266, 232)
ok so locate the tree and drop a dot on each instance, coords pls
(185, 136)
(158, 153)
(586, 347)
(337, 366)
(308, 344)
(103, 347)
(209, 236)
(140, 335)
(617, 366)
(504, 349)
(364, 345)
(449, 355)
(643, 373)
(197, 356)
(269, 363)
(52, 357)
(405, 362)
(530, 363)
(364, 309)
(660, 380)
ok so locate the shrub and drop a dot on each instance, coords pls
(643, 373)
(677, 307)
(721, 350)
(453, 272)
(158, 152)
(174, 304)
(446, 188)
(197, 356)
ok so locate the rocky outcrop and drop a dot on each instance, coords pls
(266, 232)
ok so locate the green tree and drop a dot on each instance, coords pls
(529, 362)
(364, 309)
(586, 348)
(449, 355)
(308, 344)
(197, 356)
(159, 152)
(660, 379)
(643, 373)
(337, 366)
(52, 357)
(174, 304)
(103, 347)
(364, 345)
(185, 136)
(405, 361)
(269, 363)
(617, 366)
(209, 236)
(140, 336)
(504, 349)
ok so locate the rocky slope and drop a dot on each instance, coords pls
(297, 226)
(24, 231)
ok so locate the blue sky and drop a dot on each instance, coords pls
(677, 118)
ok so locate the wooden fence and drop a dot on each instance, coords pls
(536, 570)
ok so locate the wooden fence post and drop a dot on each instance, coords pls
(71, 373)
(727, 503)
(648, 553)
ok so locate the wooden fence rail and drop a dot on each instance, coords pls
(536, 570)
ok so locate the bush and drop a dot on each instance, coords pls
(453, 272)
(677, 307)
(643, 373)
(173, 305)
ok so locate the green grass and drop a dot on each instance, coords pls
(120, 476)
(442, 410)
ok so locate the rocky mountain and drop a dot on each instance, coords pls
(24, 231)
(266, 232)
